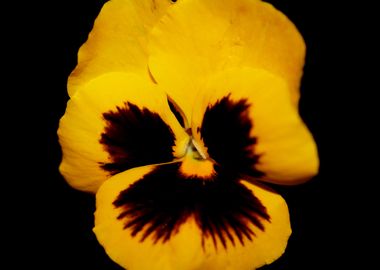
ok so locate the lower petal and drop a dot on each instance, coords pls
(152, 217)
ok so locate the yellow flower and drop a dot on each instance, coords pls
(178, 111)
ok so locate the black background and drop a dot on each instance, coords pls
(318, 213)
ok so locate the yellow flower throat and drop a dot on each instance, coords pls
(196, 162)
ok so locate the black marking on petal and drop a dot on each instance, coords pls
(135, 137)
(177, 112)
(225, 131)
(159, 203)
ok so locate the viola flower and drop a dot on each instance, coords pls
(178, 113)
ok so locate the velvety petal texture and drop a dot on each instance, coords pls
(246, 121)
(118, 40)
(178, 111)
(197, 38)
(147, 223)
(116, 122)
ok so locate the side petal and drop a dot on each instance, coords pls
(196, 38)
(154, 218)
(116, 122)
(117, 41)
(245, 121)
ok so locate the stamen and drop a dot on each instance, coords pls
(199, 153)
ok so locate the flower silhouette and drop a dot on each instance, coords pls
(179, 111)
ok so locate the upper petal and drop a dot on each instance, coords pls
(156, 218)
(246, 122)
(118, 40)
(196, 38)
(115, 122)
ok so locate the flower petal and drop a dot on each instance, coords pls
(116, 122)
(196, 38)
(117, 41)
(245, 120)
(156, 218)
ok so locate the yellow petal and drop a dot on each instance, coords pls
(115, 122)
(245, 120)
(118, 40)
(154, 218)
(196, 38)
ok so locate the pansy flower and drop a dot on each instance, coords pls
(179, 112)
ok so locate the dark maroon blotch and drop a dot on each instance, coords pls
(159, 203)
(134, 137)
(225, 131)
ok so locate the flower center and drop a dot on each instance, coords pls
(195, 150)
(196, 162)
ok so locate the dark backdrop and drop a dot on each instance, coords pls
(67, 240)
